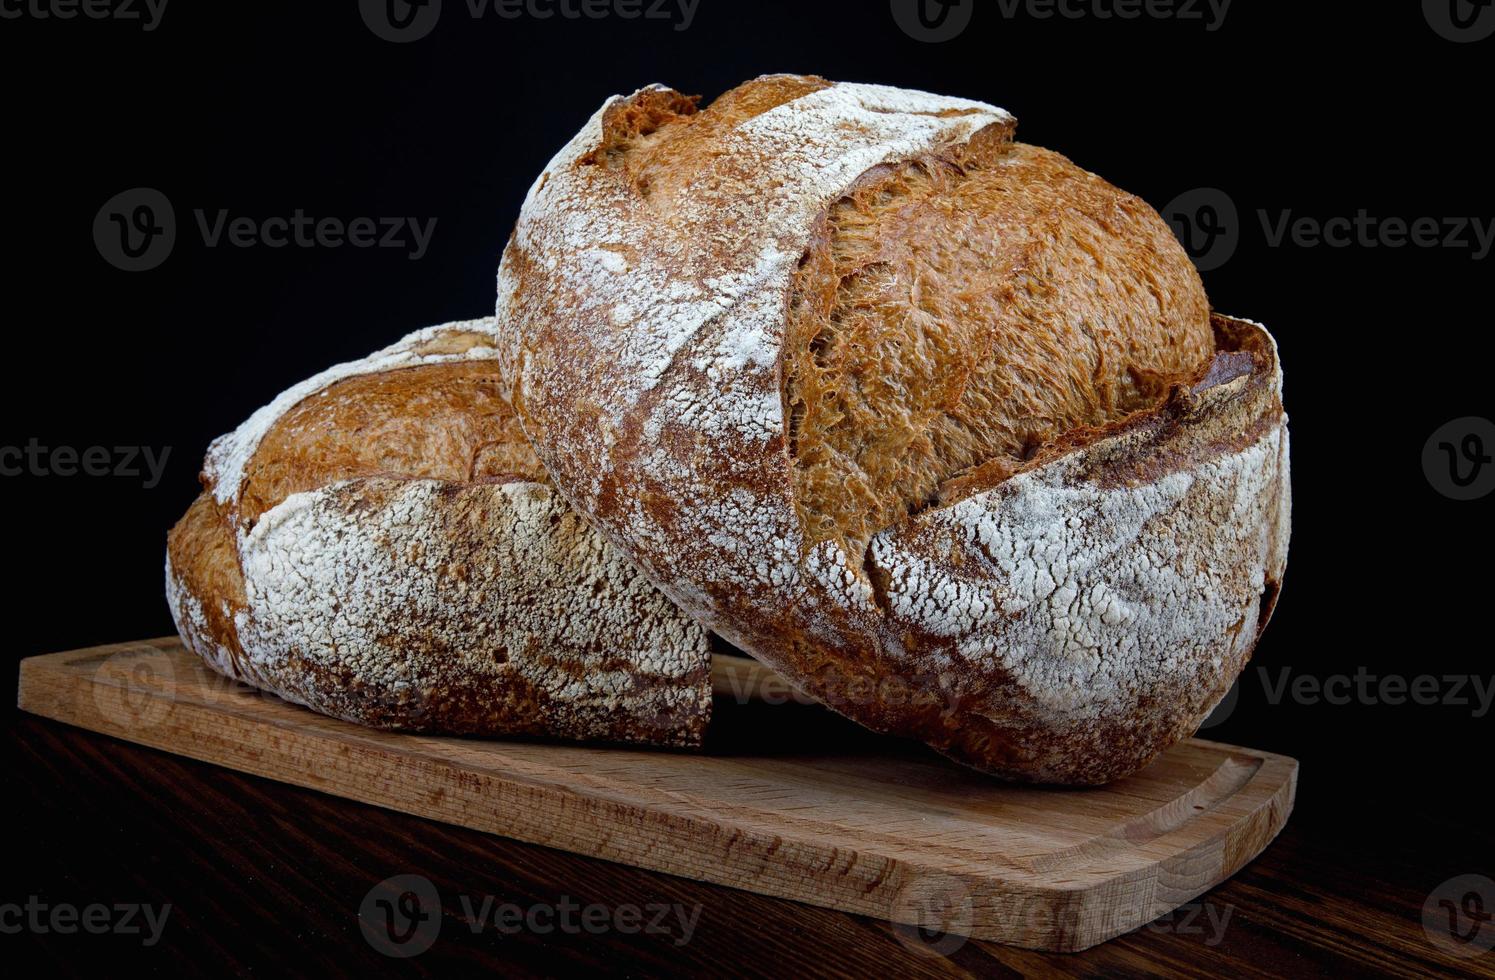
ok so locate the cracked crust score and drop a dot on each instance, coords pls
(381, 545)
(1064, 579)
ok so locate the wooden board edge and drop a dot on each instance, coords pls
(875, 885)
(1271, 794)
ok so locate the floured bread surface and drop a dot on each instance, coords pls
(766, 346)
(389, 552)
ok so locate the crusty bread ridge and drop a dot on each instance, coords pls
(380, 544)
(999, 483)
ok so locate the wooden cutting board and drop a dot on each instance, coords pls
(869, 825)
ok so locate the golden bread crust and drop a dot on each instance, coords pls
(388, 551)
(1071, 570)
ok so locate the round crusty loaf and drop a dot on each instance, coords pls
(937, 424)
(381, 544)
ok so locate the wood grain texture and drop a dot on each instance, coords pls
(266, 879)
(891, 835)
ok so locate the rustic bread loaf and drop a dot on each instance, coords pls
(938, 425)
(381, 544)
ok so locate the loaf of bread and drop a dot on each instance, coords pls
(938, 424)
(380, 544)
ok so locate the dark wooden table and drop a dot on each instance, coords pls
(268, 879)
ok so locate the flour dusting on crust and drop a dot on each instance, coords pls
(229, 456)
(413, 604)
(1052, 627)
(434, 600)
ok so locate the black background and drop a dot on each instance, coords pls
(262, 108)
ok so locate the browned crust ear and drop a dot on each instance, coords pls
(986, 144)
(1243, 351)
(626, 122)
(660, 138)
